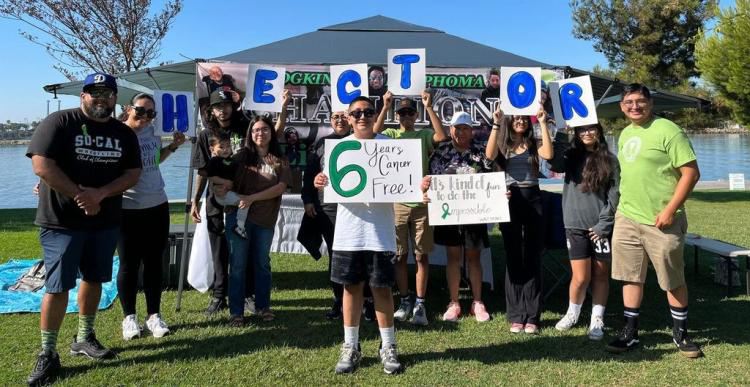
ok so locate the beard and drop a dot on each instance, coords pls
(97, 110)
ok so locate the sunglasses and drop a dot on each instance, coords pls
(101, 93)
(357, 114)
(586, 129)
(141, 111)
(407, 112)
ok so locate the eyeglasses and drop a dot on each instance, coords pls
(376, 77)
(338, 117)
(141, 111)
(407, 112)
(586, 129)
(639, 102)
(263, 129)
(101, 93)
(358, 113)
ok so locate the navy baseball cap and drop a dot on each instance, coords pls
(100, 80)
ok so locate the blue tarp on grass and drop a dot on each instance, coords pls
(15, 302)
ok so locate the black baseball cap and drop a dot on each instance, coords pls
(406, 104)
(219, 96)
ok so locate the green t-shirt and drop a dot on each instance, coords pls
(424, 135)
(650, 157)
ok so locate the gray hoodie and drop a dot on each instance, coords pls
(584, 210)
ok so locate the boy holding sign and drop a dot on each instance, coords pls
(363, 246)
(411, 218)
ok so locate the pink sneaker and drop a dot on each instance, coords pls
(479, 311)
(531, 329)
(516, 328)
(453, 312)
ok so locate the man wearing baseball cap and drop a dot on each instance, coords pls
(85, 159)
(411, 218)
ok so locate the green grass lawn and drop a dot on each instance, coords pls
(301, 347)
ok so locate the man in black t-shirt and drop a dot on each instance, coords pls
(222, 121)
(85, 159)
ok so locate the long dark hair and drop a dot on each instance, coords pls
(124, 115)
(249, 153)
(597, 164)
(506, 143)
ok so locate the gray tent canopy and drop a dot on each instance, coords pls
(367, 41)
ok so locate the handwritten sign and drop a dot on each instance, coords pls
(373, 171)
(467, 199)
(407, 69)
(520, 90)
(573, 100)
(265, 88)
(175, 112)
(347, 82)
(736, 181)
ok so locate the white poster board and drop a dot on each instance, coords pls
(736, 181)
(265, 88)
(467, 199)
(347, 82)
(407, 71)
(373, 171)
(520, 90)
(573, 100)
(175, 112)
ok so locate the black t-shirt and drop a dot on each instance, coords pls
(236, 132)
(91, 154)
(226, 83)
(225, 168)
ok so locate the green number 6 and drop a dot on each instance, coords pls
(337, 175)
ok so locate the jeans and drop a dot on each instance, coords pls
(255, 250)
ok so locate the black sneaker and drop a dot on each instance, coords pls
(627, 341)
(335, 312)
(369, 311)
(46, 370)
(240, 231)
(216, 305)
(686, 346)
(90, 347)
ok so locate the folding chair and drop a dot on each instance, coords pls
(554, 240)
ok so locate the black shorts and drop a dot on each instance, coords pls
(353, 267)
(69, 254)
(581, 246)
(470, 236)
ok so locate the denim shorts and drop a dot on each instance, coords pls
(70, 254)
(353, 267)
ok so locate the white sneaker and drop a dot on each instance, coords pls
(130, 327)
(596, 328)
(566, 322)
(157, 326)
(404, 310)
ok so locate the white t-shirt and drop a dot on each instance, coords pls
(365, 226)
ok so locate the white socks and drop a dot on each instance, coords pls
(351, 335)
(597, 311)
(574, 309)
(388, 336)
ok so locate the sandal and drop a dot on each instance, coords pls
(236, 321)
(267, 315)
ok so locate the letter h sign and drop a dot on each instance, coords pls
(175, 112)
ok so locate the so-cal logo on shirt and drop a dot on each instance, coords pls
(631, 149)
(107, 149)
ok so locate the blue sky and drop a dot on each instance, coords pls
(538, 29)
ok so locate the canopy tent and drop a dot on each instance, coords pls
(367, 41)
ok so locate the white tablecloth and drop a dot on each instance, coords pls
(290, 218)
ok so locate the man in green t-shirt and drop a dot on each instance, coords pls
(658, 172)
(411, 218)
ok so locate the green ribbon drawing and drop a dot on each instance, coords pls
(446, 210)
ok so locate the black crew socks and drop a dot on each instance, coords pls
(679, 319)
(631, 319)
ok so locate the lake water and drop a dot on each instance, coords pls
(718, 156)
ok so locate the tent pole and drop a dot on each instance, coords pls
(606, 92)
(183, 255)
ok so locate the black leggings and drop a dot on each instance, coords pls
(143, 237)
(523, 238)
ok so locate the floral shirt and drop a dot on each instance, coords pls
(447, 160)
